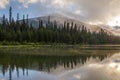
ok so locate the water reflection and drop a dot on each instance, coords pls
(14, 66)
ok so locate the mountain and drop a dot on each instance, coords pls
(117, 27)
(114, 30)
(60, 19)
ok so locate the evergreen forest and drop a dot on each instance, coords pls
(21, 31)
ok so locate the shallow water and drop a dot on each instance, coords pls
(83, 66)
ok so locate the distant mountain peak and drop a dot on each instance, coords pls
(116, 27)
(56, 14)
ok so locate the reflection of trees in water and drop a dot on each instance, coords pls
(41, 63)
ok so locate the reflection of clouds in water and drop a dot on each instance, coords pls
(109, 69)
(32, 75)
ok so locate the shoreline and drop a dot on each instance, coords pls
(57, 45)
(60, 50)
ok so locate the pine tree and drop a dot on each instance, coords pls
(10, 14)
(40, 24)
(3, 21)
(27, 23)
(17, 22)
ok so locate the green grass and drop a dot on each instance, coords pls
(57, 49)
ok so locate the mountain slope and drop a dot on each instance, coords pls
(60, 19)
(113, 30)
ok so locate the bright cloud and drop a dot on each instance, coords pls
(25, 3)
(3, 3)
(114, 21)
(92, 10)
(58, 2)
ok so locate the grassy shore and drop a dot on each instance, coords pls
(58, 49)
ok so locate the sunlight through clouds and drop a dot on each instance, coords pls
(3, 3)
(58, 2)
(94, 11)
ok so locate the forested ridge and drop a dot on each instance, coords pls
(69, 33)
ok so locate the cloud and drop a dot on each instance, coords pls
(25, 3)
(3, 3)
(90, 11)
(95, 11)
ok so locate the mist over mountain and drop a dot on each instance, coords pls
(60, 19)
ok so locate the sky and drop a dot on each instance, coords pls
(89, 11)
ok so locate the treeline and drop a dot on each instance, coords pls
(69, 33)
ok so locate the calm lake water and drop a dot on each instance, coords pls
(43, 63)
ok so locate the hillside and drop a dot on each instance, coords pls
(60, 19)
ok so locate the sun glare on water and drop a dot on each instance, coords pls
(114, 22)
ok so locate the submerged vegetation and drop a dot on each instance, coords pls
(21, 31)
